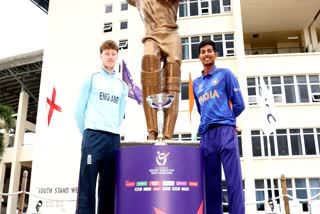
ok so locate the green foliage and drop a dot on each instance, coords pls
(2, 146)
(6, 115)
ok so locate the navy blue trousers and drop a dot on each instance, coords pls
(219, 144)
(98, 155)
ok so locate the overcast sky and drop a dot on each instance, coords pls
(23, 27)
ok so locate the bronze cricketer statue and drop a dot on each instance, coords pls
(162, 43)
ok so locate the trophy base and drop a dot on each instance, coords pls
(160, 143)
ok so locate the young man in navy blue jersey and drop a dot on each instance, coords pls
(99, 114)
(219, 102)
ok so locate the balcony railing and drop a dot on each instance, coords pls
(259, 51)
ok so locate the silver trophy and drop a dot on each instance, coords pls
(160, 102)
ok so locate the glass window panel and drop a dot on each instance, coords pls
(318, 141)
(259, 184)
(184, 91)
(194, 51)
(185, 51)
(275, 80)
(290, 94)
(204, 4)
(183, 9)
(255, 132)
(256, 146)
(309, 144)
(229, 45)
(251, 91)
(194, 9)
(314, 79)
(260, 197)
(195, 39)
(282, 145)
(288, 79)
(175, 137)
(301, 79)
(229, 36)
(108, 8)
(300, 183)
(303, 92)
(206, 37)
(186, 137)
(268, 183)
(276, 89)
(266, 150)
(217, 38)
(230, 52)
(314, 182)
(219, 48)
(226, 2)
(315, 88)
(124, 6)
(240, 145)
(301, 193)
(123, 25)
(281, 131)
(296, 131)
(251, 81)
(273, 150)
(215, 6)
(289, 183)
(315, 192)
(296, 146)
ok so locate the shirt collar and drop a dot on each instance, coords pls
(105, 71)
(213, 69)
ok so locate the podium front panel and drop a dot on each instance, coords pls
(166, 179)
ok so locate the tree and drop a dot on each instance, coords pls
(6, 115)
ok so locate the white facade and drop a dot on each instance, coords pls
(278, 40)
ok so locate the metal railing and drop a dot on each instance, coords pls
(260, 51)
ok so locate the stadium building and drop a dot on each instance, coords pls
(278, 41)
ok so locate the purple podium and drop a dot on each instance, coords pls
(166, 179)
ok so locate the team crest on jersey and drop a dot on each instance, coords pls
(200, 88)
(215, 81)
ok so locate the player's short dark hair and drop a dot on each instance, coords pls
(207, 42)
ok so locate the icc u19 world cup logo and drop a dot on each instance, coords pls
(162, 158)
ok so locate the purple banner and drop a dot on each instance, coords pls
(159, 180)
(134, 91)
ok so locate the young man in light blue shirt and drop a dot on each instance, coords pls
(99, 114)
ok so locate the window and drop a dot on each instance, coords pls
(186, 137)
(185, 91)
(301, 192)
(309, 141)
(224, 45)
(240, 143)
(296, 144)
(185, 48)
(203, 7)
(108, 8)
(183, 8)
(124, 6)
(298, 188)
(123, 25)
(286, 142)
(183, 137)
(227, 5)
(107, 27)
(123, 44)
(314, 184)
(287, 89)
